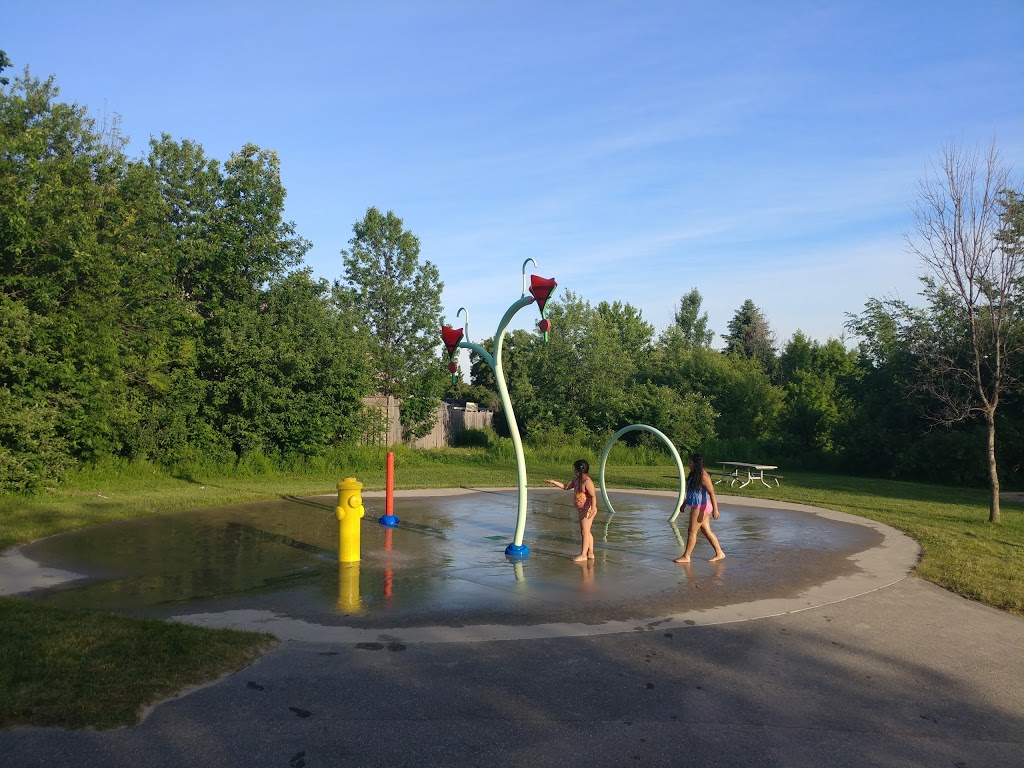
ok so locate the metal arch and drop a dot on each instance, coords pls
(465, 325)
(671, 447)
(524, 273)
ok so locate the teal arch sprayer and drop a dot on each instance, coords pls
(672, 450)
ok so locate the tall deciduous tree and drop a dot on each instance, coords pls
(745, 402)
(964, 235)
(298, 374)
(60, 264)
(818, 381)
(626, 322)
(228, 248)
(584, 372)
(398, 300)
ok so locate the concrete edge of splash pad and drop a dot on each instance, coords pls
(878, 567)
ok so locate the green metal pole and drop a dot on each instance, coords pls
(516, 548)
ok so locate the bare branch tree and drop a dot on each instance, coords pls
(975, 285)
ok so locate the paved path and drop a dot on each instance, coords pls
(903, 674)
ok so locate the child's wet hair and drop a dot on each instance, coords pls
(696, 477)
(581, 466)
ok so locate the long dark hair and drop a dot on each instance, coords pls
(581, 467)
(696, 478)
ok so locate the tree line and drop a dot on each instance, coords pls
(919, 396)
(159, 307)
(929, 392)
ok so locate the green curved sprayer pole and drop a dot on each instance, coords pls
(672, 450)
(510, 416)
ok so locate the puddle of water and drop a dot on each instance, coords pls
(445, 561)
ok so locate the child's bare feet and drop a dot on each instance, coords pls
(716, 558)
(590, 557)
(681, 560)
(580, 559)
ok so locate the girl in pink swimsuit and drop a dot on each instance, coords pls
(585, 501)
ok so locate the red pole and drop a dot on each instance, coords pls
(388, 518)
(389, 500)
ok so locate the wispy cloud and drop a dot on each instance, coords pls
(762, 151)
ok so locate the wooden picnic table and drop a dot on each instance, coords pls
(745, 473)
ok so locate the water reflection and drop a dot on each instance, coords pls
(446, 558)
(712, 579)
(349, 598)
(586, 575)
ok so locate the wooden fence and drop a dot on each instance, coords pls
(385, 427)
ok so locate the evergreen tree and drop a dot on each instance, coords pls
(750, 336)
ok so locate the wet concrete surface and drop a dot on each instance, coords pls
(268, 564)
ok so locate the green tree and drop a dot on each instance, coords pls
(253, 246)
(189, 183)
(887, 413)
(59, 269)
(153, 307)
(689, 323)
(158, 327)
(227, 250)
(747, 405)
(32, 454)
(517, 352)
(817, 379)
(634, 334)
(750, 336)
(583, 381)
(255, 243)
(891, 430)
(584, 372)
(298, 373)
(686, 418)
(398, 300)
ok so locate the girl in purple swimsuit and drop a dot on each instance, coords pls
(700, 499)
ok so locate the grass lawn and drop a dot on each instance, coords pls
(77, 668)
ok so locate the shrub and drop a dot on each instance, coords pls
(472, 437)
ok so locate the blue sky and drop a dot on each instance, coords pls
(634, 150)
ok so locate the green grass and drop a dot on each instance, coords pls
(76, 668)
(79, 668)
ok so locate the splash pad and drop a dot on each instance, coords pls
(441, 574)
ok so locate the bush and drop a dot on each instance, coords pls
(947, 457)
(737, 449)
(472, 437)
(555, 445)
(190, 462)
(32, 455)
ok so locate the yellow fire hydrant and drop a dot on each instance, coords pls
(349, 511)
